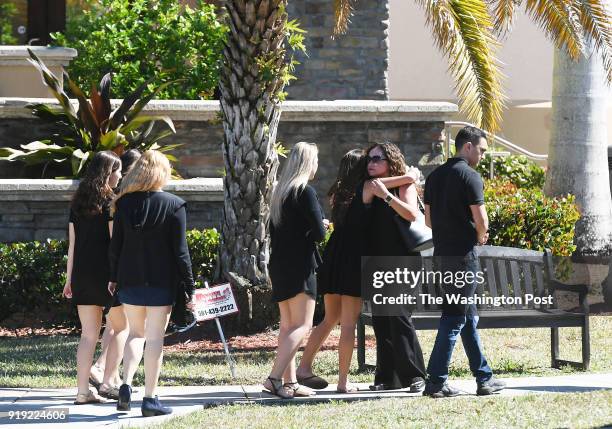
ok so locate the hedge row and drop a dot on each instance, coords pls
(32, 274)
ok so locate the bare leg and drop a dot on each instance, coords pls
(135, 342)
(117, 324)
(97, 370)
(91, 321)
(157, 320)
(351, 308)
(301, 310)
(319, 334)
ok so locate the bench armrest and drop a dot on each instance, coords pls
(582, 290)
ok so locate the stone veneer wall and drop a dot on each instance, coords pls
(38, 209)
(351, 66)
(336, 127)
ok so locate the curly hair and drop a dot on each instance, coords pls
(396, 160)
(94, 194)
(351, 173)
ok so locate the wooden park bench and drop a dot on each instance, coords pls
(508, 272)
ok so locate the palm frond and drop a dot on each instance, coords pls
(560, 21)
(596, 21)
(462, 30)
(504, 11)
(343, 9)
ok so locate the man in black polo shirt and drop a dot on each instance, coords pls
(454, 209)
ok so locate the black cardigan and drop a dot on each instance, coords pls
(294, 252)
(149, 245)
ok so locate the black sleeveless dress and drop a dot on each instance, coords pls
(340, 272)
(90, 270)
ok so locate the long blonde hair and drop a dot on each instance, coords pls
(150, 172)
(294, 177)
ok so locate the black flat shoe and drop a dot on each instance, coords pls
(382, 386)
(152, 407)
(125, 398)
(417, 385)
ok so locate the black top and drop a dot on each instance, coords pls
(149, 245)
(340, 272)
(382, 235)
(450, 190)
(90, 269)
(294, 256)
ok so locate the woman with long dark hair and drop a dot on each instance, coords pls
(399, 359)
(296, 226)
(88, 271)
(128, 158)
(339, 276)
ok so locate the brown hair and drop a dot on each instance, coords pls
(351, 173)
(395, 158)
(94, 194)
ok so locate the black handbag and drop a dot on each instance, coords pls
(416, 235)
(181, 318)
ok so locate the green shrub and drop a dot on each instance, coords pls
(203, 248)
(32, 277)
(525, 218)
(32, 274)
(515, 168)
(142, 39)
(7, 12)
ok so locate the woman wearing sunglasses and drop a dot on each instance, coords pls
(399, 359)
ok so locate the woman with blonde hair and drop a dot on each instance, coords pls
(149, 260)
(88, 272)
(297, 225)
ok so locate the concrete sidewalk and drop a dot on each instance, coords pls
(187, 399)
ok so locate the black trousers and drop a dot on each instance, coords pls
(399, 357)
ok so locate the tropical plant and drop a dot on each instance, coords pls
(467, 32)
(143, 39)
(94, 127)
(7, 12)
(255, 70)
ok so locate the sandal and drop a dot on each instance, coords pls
(89, 398)
(277, 388)
(350, 388)
(299, 390)
(109, 392)
(313, 381)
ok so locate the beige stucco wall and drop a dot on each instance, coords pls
(417, 71)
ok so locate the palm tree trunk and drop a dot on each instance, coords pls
(577, 162)
(254, 61)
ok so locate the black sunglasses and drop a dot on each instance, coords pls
(375, 159)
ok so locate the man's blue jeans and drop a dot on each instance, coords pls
(451, 326)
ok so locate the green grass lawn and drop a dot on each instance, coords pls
(581, 410)
(51, 361)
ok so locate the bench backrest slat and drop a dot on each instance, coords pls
(490, 277)
(528, 283)
(516, 280)
(503, 278)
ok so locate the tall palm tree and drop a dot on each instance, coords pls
(252, 81)
(581, 31)
(254, 75)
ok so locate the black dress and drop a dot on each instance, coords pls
(399, 358)
(149, 258)
(294, 257)
(90, 268)
(341, 268)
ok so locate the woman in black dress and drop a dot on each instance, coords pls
(296, 226)
(339, 276)
(149, 261)
(110, 338)
(88, 270)
(399, 359)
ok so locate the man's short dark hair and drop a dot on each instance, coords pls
(468, 134)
